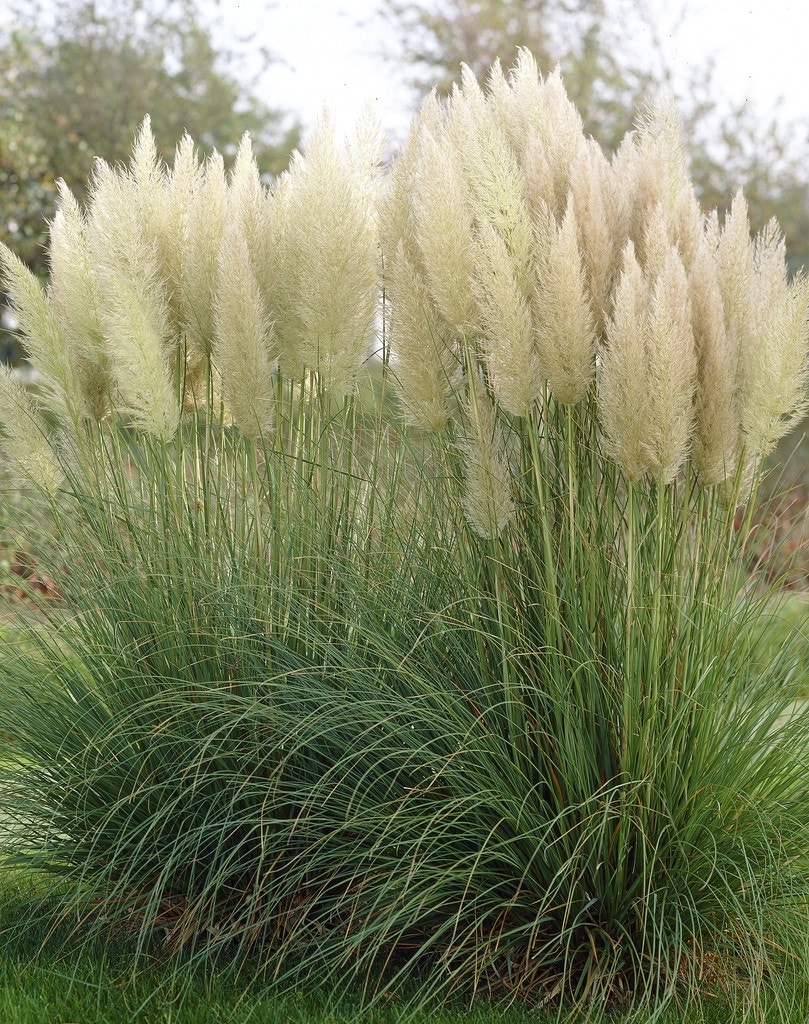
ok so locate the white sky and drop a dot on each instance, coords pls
(327, 48)
(761, 48)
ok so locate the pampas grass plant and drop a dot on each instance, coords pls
(472, 704)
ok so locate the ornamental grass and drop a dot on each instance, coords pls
(406, 643)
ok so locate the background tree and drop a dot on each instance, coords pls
(731, 147)
(767, 157)
(27, 184)
(78, 77)
(433, 39)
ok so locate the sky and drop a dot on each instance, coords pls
(328, 58)
(761, 49)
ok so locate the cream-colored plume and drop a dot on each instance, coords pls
(622, 384)
(424, 362)
(24, 437)
(766, 320)
(717, 438)
(514, 99)
(444, 229)
(45, 343)
(244, 348)
(560, 127)
(652, 169)
(488, 498)
(159, 208)
(647, 379)
(397, 221)
(74, 296)
(513, 368)
(774, 380)
(253, 207)
(493, 178)
(543, 129)
(565, 326)
(203, 214)
(134, 308)
(423, 347)
(140, 344)
(671, 370)
(598, 208)
(331, 267)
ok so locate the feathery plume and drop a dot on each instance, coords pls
(736, 269)
(500, 104)
(159, 204)
(44, 341)
(655, 242)
(252, 207)
(622, 381)
(514, 99)
(715, 445)
(424, 363)
(493, 179)
(134, 308)
(488, 502)
(507, 335)
(398, 227)
(146, 168)
(770, 266)
(203, 225)
(565, 327)
(331, 279)
(776, 371)
(73, 293)
(24, 437)
(597, 208)
(766, 321)
(559, 126)
(653, 170)
(444, 228)
(539, 178)
(136, 325)
(671, 370)
(397, 223)
(243, 340)
(170, 233)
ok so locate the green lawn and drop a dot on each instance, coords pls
(788, 625)
(93, 992)
(96, 986)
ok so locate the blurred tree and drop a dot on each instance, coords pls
(77, 78)
(27, 186)
(434, 37)
(103, 64)
(81, 75)
(766, 156)
(731, 148)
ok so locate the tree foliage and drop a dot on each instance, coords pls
(767, 157)
(434, 39)
(26, 182)
(730, 147)
(78, 77)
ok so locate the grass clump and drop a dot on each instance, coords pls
(478, 708)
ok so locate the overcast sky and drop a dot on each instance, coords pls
(761, 48)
